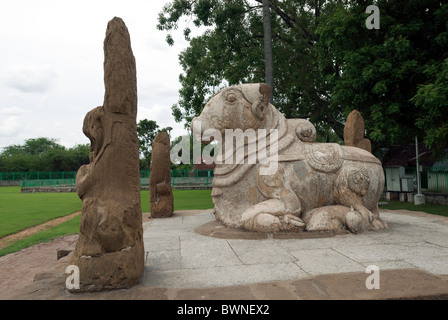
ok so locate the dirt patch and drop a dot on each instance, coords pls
(18, 269)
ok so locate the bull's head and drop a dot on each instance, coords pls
(236, 107)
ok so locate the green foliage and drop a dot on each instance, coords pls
(326, 62)
(433, 99)
(146, 132)
(230, 52)
(378, 72)
(43, 154)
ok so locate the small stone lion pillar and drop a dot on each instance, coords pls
(354, 132)
(160, 191)
(110, 249)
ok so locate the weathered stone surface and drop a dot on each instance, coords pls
(295, 184)
(63, 252)
(354, 132)
(109, 252)
(160, 191)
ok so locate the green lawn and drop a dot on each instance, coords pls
(19, 211)
(437, 209)
(69, 227)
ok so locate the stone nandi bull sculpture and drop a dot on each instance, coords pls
(315, 187)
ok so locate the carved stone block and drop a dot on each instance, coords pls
(110, 252)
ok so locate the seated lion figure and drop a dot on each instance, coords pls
(295, 184)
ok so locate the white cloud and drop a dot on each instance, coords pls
(29, 78)
(10, 126)
(11, 121)
(162, 115)
(12, 110)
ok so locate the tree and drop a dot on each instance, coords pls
(146, 132)
(36, 146)
(43, 154)
(379, 72)
(433, 99)
(230, 52)
(76, 157)
(326, 62)
(33, 155)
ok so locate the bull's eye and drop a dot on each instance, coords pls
(231, 97)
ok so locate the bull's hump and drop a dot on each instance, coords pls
(358, 154)
(326, 156)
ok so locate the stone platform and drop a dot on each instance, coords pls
(179, 257)
(191, 257)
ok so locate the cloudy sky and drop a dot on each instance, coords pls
(51, 66)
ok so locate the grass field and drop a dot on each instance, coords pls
(440, 210)
(69, 227)
(19, 211)
(22, 210)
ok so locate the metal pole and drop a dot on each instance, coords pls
(269, 77)
(419, 198)
(419, 191)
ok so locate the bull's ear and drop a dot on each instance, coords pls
(260, 106)
(265, 91)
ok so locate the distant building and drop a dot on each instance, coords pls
(404, 156)
(203, 166)
(400, 166)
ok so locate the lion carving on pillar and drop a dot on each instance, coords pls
(295, 184)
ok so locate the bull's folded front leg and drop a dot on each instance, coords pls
(271, 216)
(349, 198)
(281, 209)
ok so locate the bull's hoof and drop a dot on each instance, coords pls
(339, 218)
(291, 223)
(379, 224)
(354, 221)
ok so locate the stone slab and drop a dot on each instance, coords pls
(200, 253)
(325, 261)
(260, 251)
(219, 276)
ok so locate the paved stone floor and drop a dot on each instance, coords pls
(179, 257)
(184, 264)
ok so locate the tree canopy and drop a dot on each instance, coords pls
(43, 154)
(147, 130)
(392, 75)
(326, 62)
